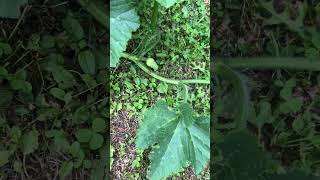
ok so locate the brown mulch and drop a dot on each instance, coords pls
(123, 129)
(40, 166)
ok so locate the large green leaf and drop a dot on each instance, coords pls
(123, 21)
(244, 159)
(167, 3)
(11, 8)
(284, 17)
(183, 139)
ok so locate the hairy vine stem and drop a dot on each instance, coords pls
(224, 69)
(240, 90)
(137, 60)
(291, 63)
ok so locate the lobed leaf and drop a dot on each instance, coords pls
(183, 139)
(11, 8)
(284, 17)
(243, 157)
(123, 21)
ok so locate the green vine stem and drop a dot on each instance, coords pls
(154, 17)
(137, 60)
(240, 89)
(95, 11)
(291, 63)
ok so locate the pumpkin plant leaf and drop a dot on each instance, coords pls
(11, 9)
(181, 135)
(243, 156)
(284, 17)
(123, 21)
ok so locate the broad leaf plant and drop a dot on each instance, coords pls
(180, 137)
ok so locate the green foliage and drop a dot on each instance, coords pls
(58, 93)
(123, 20)
(133, 92)
(295, 24)
(98, 125)
(52, 86)
(96, 141)
(243, 158)
(73, 28)
(239, 92)
(11, 9)
(152, 63)
(6, 94)
(294, 175)
(280, 140)
(285, 17)
(87, 62)
(180, 135)
(167, 3)
(65, 169)
(84, 135)
(4, 157)
(162, 88)
(30, 142)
